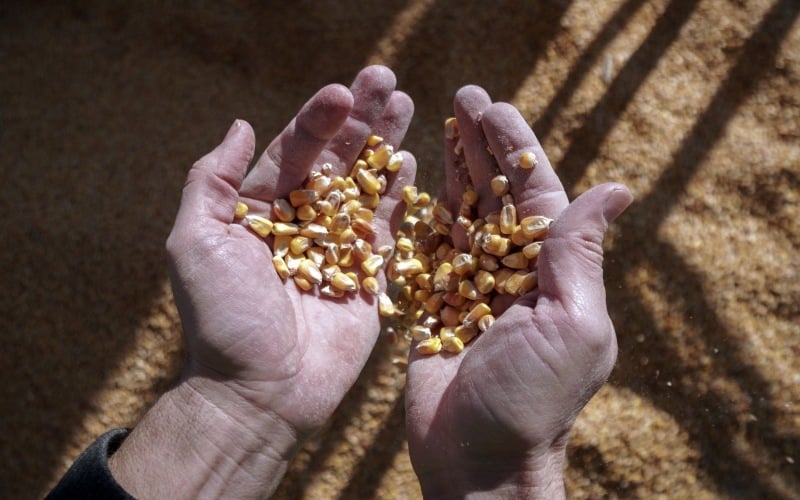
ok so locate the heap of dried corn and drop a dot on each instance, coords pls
(445, 293)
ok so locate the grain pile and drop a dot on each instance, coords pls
(693, 104)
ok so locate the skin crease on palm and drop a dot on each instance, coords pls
(268, 364)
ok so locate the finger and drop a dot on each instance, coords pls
(212, 185)
(536, 191)
(287, 161)
(571, 261)
(371, 89)
(470, 104)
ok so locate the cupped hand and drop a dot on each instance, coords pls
(276, 351)
(495, 418)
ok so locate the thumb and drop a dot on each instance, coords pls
(212, 185)
(571, 261)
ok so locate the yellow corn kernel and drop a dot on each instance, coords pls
(317, 255)
(385, 251)
(332, 254)
(303, 283)
(500, 277)
(429, 346)
(434, 303)
(488, 262)
(484, 281)
(508, 219)
(280, 247)
(409, 267)
(260, 225)
(395, 162)
(373, 140)
(346, 256)
(380, 158)
(293, 262)
(442, 214)
(241, 210)
(332, 203)
(299, 244)
(531, 250)
(313, 230)
(485, 322)
(285, 229)
(372, 264)
(466, 333)
(370, 201)
(363, 228)
(368, 181)
(309, 270)
(516, 260)
(449, 316)
(495, 244)
(362, 249)
(424, 281)
(385, 306)
(500, 185)
(370, 284)
(529, 282)
(284, 210)
(420, 333)
(514, 283)
(420, 295)
(519, 238)
(300, 197)
(422, 200)
(453, 344)
(280, 267)
(410, 195)
(342, 281)
(451, 128)
(454, 299)
(328, 271)
(463, 263)
(476, 313)
(528, 160)
(444, 277)
(319, 182)
(354, 277)
(535, 226)
(306, 213)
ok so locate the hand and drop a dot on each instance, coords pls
(495, 418)
(267, 363)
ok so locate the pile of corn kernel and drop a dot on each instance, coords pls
(445, 294)
(321, 232)
(441, 295)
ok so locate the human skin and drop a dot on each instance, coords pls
(493, 421)
(267, 364)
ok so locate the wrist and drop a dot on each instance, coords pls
(538, 475)
(201, 439)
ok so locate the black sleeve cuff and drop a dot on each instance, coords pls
(89, 476)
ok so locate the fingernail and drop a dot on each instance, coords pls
(616, 202)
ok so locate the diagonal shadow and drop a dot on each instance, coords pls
(378, 459)
(452, 46)
(544, 123)
(585, 142)
(95, 148)
(708, 415)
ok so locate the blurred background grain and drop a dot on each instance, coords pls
(695, 104)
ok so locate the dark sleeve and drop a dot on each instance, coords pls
(89, 476)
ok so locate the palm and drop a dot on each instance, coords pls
(519, 386)
(283, 349)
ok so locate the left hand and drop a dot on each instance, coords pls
(267, 363)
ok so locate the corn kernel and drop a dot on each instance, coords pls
(300, 244)
(372, 264)
(485, 322)
(420, 333)
(285, 229)
(309, 270)
(500, 185)
(260, 225)
(385, 306)
(451, 128)
(343, 282)
(395, 162)
(531, 250)
(476, 313)
(241, 210)
(528, 160)
(453, 344)
(516, 260)
(280, 267)
(484, 281)
(373, 140)
(370, 284)
(508, 219)
(432, 345)
(284, 210)
(303, 283)
(535, 226)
